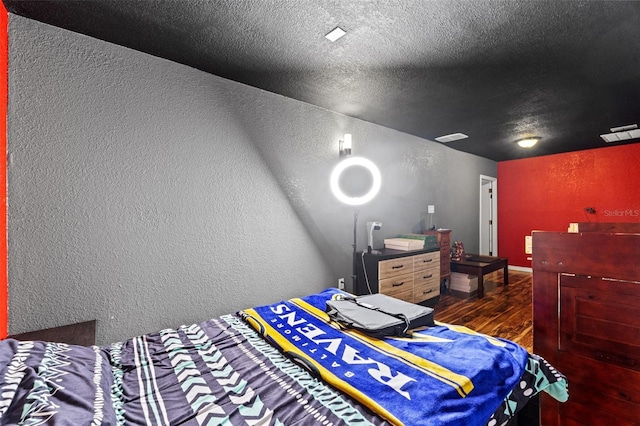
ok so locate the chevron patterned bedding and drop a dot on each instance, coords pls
(217, 372)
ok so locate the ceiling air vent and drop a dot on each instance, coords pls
(452, 137)
(623, 133)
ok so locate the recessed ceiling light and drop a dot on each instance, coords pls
(528, 142)
(335, 34)
(452, 137)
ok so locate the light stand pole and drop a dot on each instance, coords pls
(334, 181)
(354, 276)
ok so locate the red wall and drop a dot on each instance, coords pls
(547, 193)
(3, 170)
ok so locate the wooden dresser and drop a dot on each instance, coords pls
(413, 276)
(444, 242)
(586, 322)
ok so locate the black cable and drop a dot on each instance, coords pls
(366, 276)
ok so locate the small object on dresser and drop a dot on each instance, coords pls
(405, 244)
(457, 251)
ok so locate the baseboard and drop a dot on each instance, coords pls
(520, 268)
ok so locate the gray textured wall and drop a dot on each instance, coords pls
(146, 194)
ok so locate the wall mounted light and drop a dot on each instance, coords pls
(350, 162)
(344, 145)
(528, 142)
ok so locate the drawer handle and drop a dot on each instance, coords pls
(427, 292)
(427, 260)
(397, 267)
(427, 276)
(397, 284)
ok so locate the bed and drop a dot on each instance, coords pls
(279, 364)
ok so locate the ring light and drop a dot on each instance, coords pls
(345, 164)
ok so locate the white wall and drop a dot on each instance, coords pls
(147, 194)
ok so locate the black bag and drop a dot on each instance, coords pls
(378, 315)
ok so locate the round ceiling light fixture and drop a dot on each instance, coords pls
(528, 142)
(350, 162)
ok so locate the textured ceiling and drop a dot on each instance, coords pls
(566, 71)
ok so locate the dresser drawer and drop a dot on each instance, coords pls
(406, 295)
(398, 284)
(394, 267)
(426, 289)
(445, 270)
(614, 386)
(426, 275)
(445, 256)
(426, 261)
(600, 320)
(445, 266)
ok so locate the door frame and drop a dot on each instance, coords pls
(493, 214)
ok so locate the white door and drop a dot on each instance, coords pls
(488, 215)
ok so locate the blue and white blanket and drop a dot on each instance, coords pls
(445, 375)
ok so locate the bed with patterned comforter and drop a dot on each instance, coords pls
(280, 364)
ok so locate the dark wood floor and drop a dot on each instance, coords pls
(502, 312)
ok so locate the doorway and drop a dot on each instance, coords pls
(488, 216)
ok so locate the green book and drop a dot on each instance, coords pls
(430, 241)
